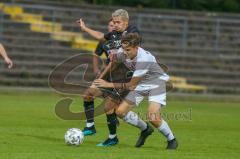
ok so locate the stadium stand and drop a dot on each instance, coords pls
(200, 49)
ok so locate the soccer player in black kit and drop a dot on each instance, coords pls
(89, 101)
(111, 42)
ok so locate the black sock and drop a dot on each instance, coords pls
(112, 123)
(89, 111)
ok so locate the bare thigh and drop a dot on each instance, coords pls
(110, 105)
(154, 114)
(124, 108)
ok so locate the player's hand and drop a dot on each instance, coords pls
(101, 83)
(9, 62)
(81, 24)
(93, 86)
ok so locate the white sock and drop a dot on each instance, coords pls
(112, 136)
(133, 119)
(89, 124)
(166, 131)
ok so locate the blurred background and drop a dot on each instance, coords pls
(198, 40)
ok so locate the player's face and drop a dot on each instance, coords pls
(131, 52)
(110, 26)
(120, 24)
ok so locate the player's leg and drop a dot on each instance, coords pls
(88, 103)
(132, 118)
(112, 102)
(155, 119)
(112, 122)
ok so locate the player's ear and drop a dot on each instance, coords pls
(126, 23)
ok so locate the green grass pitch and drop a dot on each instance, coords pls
(29, 129)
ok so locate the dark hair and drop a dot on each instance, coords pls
(131, 39)
(110, 19)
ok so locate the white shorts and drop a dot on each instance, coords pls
(155, 90)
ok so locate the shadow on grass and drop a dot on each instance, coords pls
(40, 137)
(53, 139)
(88, 143)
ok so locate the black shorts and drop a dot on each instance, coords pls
(121, 74)
(116, 94)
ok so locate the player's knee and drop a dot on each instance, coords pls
(88, 98)
(111, 111)
(155, 123)
(110, 105)
(154, 119)
(120, 113)
(108, 109)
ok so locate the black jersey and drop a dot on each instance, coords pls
(113, 39)
(121, 73)
(100, 49)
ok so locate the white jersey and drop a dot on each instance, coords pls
(144, 65)
(153, 85)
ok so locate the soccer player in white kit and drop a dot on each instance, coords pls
(148, 80)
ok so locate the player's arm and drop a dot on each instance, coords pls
(96, 70)
(97, 53)
(110, 67)
(7, 60)
(129, 85)
(141, 70)
(96, 34)
(137, 77)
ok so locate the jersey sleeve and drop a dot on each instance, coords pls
(99, 49)
(133, 29)
(107, 36)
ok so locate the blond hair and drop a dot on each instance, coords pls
(121, 13)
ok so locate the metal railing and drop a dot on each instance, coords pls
(216, 24)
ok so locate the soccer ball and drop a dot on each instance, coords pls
(74, 136)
